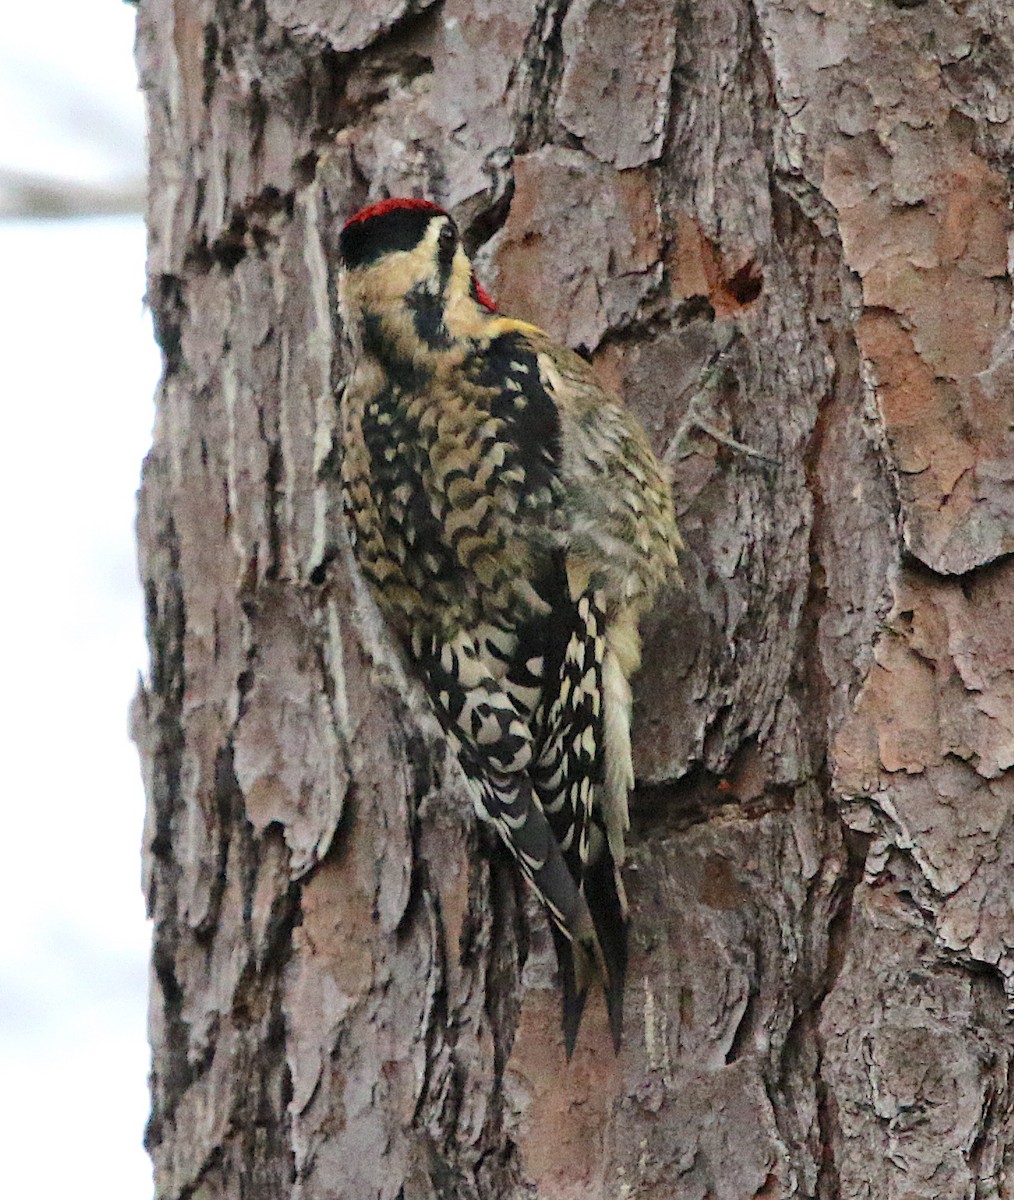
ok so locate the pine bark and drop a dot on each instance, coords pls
(782, 229)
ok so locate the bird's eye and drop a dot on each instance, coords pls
(447, 243)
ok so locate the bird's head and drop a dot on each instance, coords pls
(405, 279)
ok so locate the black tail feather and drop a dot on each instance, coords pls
(611, 926)
(593, 914)
(572, 998)
(607, 961)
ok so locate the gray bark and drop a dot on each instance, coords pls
(351, 994)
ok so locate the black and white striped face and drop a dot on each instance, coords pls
(404, 269)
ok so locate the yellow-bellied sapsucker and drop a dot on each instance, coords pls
(513, 523)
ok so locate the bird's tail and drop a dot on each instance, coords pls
(588, 921)
(573, 960)
(607, 904)
(593, 949)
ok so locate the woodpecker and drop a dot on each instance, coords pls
(513, 524)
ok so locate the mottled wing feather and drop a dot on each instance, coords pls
(472, 703)
(485, 726)
(621, 528)
(568, 729)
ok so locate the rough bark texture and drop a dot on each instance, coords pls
(350, 995)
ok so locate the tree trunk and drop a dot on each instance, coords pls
(352, 996)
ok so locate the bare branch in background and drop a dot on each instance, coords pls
(24, 196)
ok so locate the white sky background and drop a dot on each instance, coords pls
(77, 372)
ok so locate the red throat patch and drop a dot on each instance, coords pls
(482, 296)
